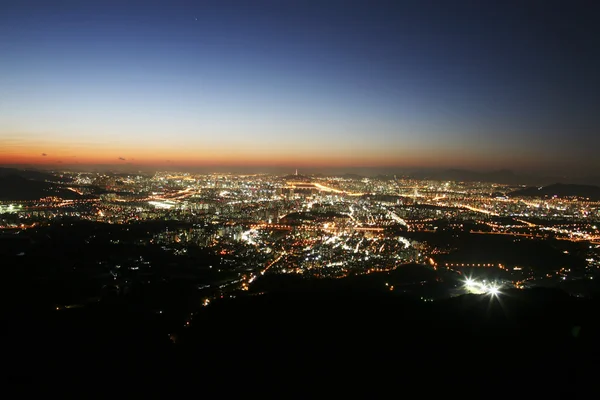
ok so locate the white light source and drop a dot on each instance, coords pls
(493, 290)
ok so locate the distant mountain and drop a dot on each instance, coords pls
(591, 180)
(351, 176)
(15, 187)
(32, 174)
(560, 190)
(501, 176)
(383, 177)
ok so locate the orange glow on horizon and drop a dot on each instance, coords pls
(214, 160)
(45, 154)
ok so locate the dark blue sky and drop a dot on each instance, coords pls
(371, 83)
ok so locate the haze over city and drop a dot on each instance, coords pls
(300, 84)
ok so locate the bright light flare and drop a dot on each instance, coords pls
(493, 290)
(475, 287)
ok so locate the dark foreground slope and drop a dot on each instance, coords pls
(337, 336)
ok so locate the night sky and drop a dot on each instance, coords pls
(479, 85)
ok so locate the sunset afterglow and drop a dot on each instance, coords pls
(230, 84)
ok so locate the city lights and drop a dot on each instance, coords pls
(313, 226)
(287, 193)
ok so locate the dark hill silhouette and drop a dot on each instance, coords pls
(560, 190)
(351, 176)
(15, 187)
(460, 175)
(32, 174)
(502, 176)
(404, 276)
(321, 333)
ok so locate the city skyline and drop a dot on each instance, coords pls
(300, 85)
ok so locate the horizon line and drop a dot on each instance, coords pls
(350, 169)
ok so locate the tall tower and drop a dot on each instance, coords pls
(296, 171)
